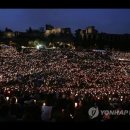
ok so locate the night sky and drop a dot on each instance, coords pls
(105, 20)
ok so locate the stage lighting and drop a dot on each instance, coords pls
(39, 46)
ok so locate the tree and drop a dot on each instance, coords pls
(8, 30)
(29, 30)
(41, 29)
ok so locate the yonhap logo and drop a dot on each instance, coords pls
(93, 112)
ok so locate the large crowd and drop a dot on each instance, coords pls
(121, 55)
(61, 85)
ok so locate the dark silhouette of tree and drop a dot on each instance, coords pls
(49, 27)
(8, 30)
(29, 30)
(41, 29)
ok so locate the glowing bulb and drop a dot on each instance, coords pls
(76, 104)
(7, 98)
(44, 104)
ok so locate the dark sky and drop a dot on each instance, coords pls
(105, 20)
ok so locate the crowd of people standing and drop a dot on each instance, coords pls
(61, 85)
